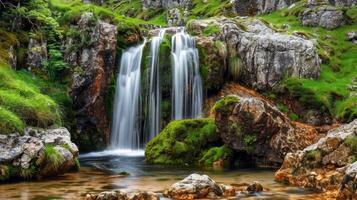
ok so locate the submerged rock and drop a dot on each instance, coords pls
(258, 55)
(94, 65)
(194, 186)
(255, 187)
(325, 165)
(38, 153)
(120, 195)
(253, 125)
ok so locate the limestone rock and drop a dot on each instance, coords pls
(94, 65)
(27, 152)
(323, 165)
(36, 53)
(194, 186)
(256, 7)
(348, 186)
(255, 126)
(259, 56)
(325, 16)
(152, 4)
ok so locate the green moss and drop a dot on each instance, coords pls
(313, 155)
(224, 105)
(215, 154)
(248, 141)
(28, 173)
(53, 157)
(211, 8)
(181, 142)
(77, 164)
(211, 30)
(23, 103)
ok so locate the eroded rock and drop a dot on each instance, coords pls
(258, 55)
(94, 63)
(120, 195)
(325, 16)
(36, 53)
(37, 153)
(254, 7)
(325, 165)
(255, 126)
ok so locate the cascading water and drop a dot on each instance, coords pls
(154, 118)
(126, 126)
(187, 83)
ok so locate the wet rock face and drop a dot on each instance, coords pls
(325, 165)
(94, 69)
(259, 56)
(324, 16)
(253, 125)
(39, 152)
(36, 53)
(194, 186)
(254, 7)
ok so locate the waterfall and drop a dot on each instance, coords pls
(187, 83)
(126, 126)
(154, 115)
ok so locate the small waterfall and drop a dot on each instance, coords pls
(126, 126)
(154, 118)
(187, 83)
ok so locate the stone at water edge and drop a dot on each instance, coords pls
(195, 186)
(119, 195)
(255, 187)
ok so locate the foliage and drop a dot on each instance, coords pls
(29, 172)
(351, 141)
(211, 30)
(23, 100)
(182, 141)
(211, 8)
(53, 157)
(214, 154)
(55, 64)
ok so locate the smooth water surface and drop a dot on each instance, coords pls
(101, 172)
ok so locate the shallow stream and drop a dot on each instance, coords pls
(102, 172)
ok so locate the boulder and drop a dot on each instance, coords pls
(254, 126)
(37, 153)
(254, 7)
(94, 64)
(325, 165)
(195, 186)
(255, 187)
(325, 16)
(258, 55)
(348, 185)
(337, 3)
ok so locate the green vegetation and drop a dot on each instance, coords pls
(29, 172)
(182, 141)
(351, 142)
(313, 155)
(211, 8)
(330, 92)
(211, 30)
(23, 102)
(53, 157)
(216, 154)
(224, 105)
(283, 108)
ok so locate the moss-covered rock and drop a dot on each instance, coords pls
(182, 141)
(221, 155)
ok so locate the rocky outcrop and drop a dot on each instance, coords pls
(325, 16)
(194, 186)
(120, 195)
(255, 127)
(337, 3)
(37, 153)
(12, 57)
(325, 165)
(258, 55)
(94, 63)
(152, 4)
(36, 53)
(255, 7)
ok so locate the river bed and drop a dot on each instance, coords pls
(103, 171)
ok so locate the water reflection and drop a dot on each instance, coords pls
(102, 172)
